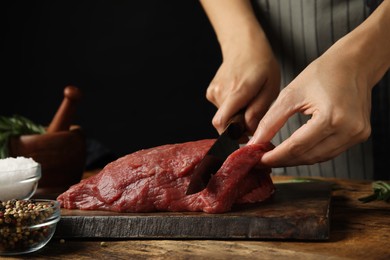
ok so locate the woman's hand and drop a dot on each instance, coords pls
(249, 75)
(249, 78)
(339, 102)
(335, 90)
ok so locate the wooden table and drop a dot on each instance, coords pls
(358, 231)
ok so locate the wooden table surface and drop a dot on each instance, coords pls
(358, 231)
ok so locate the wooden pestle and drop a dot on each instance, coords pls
(62, 120)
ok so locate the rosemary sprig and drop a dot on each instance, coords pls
(15, 126)
(381, 191)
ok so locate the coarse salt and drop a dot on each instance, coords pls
(18, 177)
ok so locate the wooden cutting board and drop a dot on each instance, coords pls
(297, 211)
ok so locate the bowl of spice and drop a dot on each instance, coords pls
(19, 177)
(27, 225)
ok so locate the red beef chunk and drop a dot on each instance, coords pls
(156, 179)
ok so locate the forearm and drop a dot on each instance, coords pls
(234, 22)
(368, 46)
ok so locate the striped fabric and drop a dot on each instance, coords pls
(300, 31)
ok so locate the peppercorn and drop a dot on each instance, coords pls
(17, 220)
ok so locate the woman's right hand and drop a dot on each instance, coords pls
(249, 75)
(249, 78)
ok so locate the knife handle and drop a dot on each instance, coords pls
(236, 126)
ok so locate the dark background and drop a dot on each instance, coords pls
(143, 67)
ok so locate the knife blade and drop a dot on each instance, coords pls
(225, 144)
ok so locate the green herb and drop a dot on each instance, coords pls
(381, 191)
(295, 180)
(15, 126)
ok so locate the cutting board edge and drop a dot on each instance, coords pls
(154, 227)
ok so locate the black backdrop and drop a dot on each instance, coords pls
(143, 67)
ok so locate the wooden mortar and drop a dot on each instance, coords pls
(61, 151)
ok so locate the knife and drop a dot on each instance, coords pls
(226, 143)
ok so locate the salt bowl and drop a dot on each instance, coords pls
(19, 178)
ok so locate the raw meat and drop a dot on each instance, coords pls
(156, 179)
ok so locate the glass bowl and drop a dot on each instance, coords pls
(27, 225)
(20, 183)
